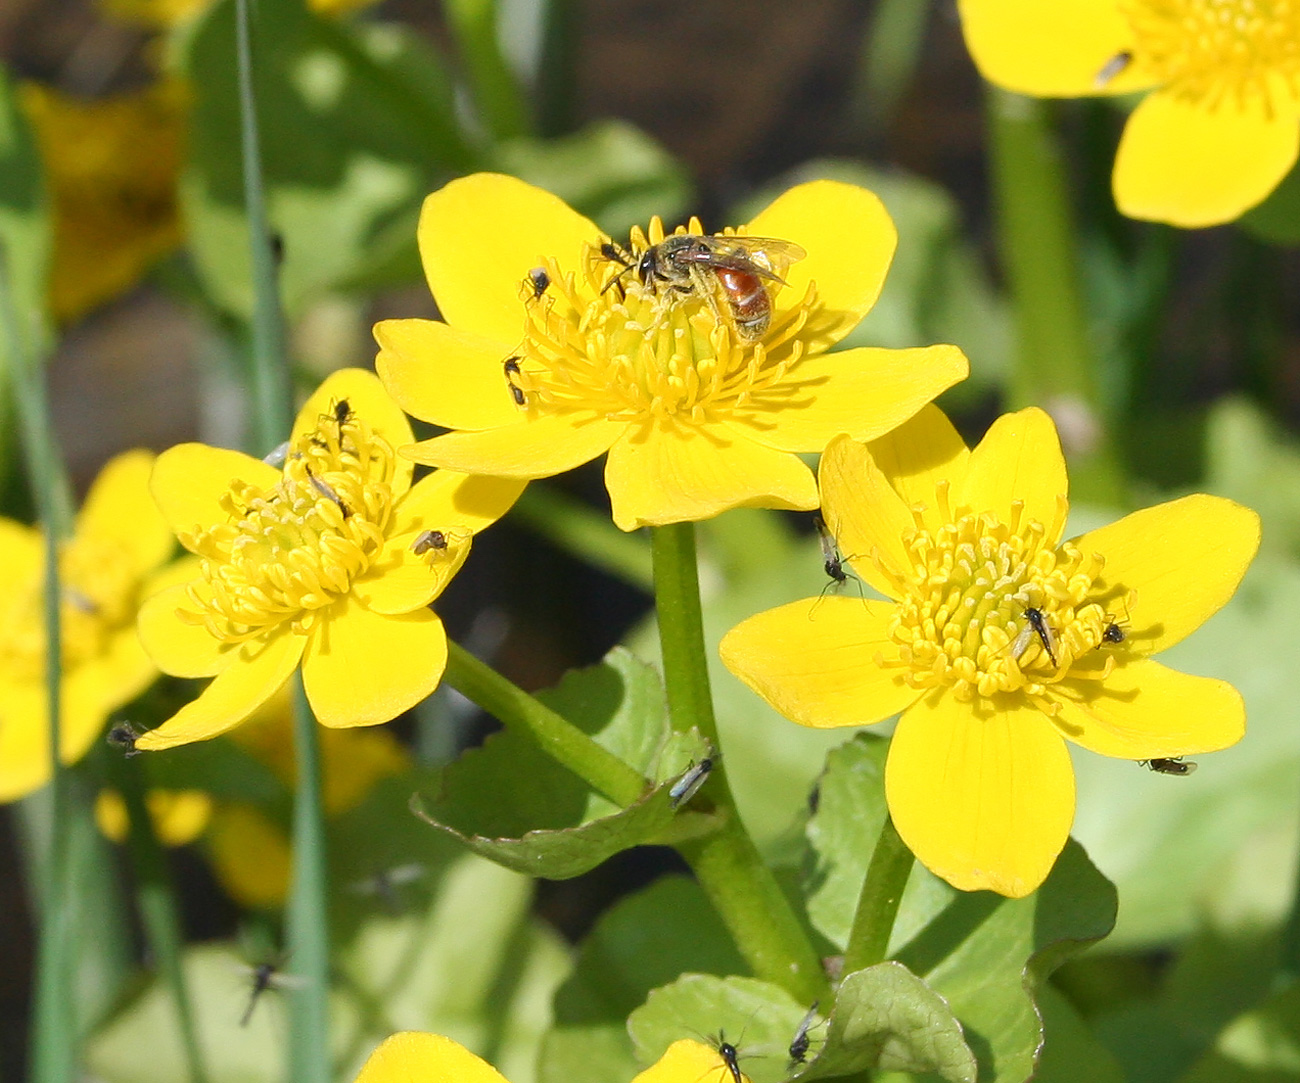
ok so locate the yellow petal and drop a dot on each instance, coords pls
(986, 800)
(120, 509)
(22, 552)
(410, 1057)
(400, 580)
(456, 503)
(188, 480)
(251, 857)
(687, 1061)
(1019, 459)
(450, 377)
(1183, 558)
(176, 646)
(815, 661)
(536, 448)
(371, 403)
(1056, 49)
(1144, 710)
(352, 761)
(919, 454)
(118, 673)
(362, 668)
(481, 235)
(1192, 164)
(864, 513)
(850, 241)
(249, 680)
(673, 474)
(864, 392)
(24, 733)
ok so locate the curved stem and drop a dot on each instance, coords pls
(559, 737)
(727, 864)
(882, 891)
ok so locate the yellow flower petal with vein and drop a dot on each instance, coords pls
(1000, 639)
(411, 1056)
(561, 344)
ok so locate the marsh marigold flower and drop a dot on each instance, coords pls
(999, 640)
(697, 415)
(412, 1055)
(1221, 126)
(330, 562)
(111, 561)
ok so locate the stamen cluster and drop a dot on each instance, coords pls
(288, 551)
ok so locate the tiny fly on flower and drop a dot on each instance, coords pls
(511, 366)
(1113, 67)
(1170, 765)
(800, 1042)
(327, 491)
(540, 282)
(1036, 624)
(123, 735)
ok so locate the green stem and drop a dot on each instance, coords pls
(54, 1033)
(308, 923)
(156, 898)
(272, 391)
(560, 738)
(882, 891)
(727, 864)
(500, 104)
(1054, 365)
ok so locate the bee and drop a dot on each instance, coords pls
(1170, 765)
(800, 1042)
(540, 282)
(688, 785)
(1036, 625)
(511, 366)
(742, 271)
(123, 735)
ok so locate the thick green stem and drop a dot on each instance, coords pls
(156, 899)
(1054, 366)
(882, 891)
(497, 95)
(308, 923)
(560, 738)
(727, 863)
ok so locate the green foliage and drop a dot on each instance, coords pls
(24, 228)
(1277, 219)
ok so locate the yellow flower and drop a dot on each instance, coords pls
(1221, 126)
(698, 410)
(179, 816)
(108, 565)
(411, 1055)
(967, 545)
(164, 14)
(331, 562)
(112, 166)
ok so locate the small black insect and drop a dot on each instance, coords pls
(1037, 624)
(1170, 765)
(730, 1056)
(511, 366)
(428, 540)
(1113, 633)
(342, 412)
(327, 491)
(831, 559)
(123, 735)
(689, 784)
(540, 281)
(800, 1042)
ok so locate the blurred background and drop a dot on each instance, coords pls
(628, 108)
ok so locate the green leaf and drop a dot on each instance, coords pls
(887, 1018)
(757, 1017)
(645, 940)
(1071, 1052)
(1259, 1046)
(355, 130)
(610, 171)
(986, 955)
(511, 802)
(1277, 219)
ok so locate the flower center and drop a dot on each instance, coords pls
(287, 552)
(698, 347)
(1211, 49)
(99, 583)
(993, 607)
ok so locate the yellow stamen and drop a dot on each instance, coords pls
(285, 553)
(1211, 50)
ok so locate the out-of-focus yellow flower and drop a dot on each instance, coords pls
(700, 410)
(107, 567)
(410, 1056)
(112, 166)
(331, 562)
(1221, 126)
(163, 14)
(1000, 639)
(179, 816)
(251, 856)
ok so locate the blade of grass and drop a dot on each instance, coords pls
(495, 91)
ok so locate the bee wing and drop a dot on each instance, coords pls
(766, 257)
